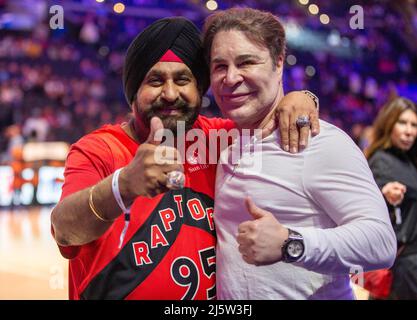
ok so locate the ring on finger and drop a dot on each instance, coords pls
(303, 121)
(175, 180)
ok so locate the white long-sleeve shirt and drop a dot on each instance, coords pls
(327, 193)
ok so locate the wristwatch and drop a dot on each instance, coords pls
(293, 247)
(313, 97)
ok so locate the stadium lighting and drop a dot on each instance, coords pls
(310, 71)
(324, 18)
(119, 7)
(212, 5)
(291, 60)
(313, 8)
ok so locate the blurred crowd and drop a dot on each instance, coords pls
(57, 85)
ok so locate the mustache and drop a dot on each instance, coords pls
(188, 112)
(179, 104)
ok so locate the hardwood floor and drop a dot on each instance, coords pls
(31, 266)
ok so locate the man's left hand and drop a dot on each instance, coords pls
(260, 240)
(293, 105)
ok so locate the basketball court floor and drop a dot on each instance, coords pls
(31, 266)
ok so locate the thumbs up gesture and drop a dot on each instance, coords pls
(261, 238)
(146, 174)
(155, 133)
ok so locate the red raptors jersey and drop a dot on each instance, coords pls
(168, 251)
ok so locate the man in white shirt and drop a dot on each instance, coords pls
(309, 219)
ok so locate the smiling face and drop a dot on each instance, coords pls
(245, 81)
(169, 91)
(404, 132)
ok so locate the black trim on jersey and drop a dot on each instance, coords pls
(121, 276)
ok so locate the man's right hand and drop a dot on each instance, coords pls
(146, 174)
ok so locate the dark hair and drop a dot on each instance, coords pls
(259, 26)
(384, 124)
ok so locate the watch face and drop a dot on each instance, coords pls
(295, 249)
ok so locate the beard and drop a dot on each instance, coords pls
(185, 112)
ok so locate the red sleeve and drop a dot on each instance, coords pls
(215, 123)
(88, 162)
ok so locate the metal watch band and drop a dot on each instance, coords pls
(313, 97)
